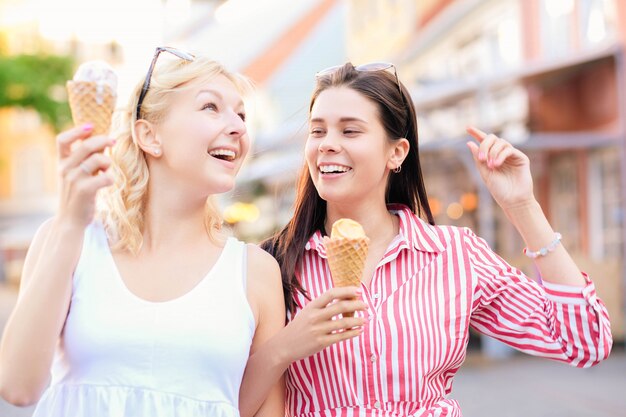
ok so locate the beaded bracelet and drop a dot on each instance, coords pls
(545, 250)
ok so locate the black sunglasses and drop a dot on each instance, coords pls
(371, 67)
(146, 84)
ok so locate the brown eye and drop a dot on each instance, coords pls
(210, 106)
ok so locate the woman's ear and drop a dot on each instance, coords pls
(147, 139)
(399, 151)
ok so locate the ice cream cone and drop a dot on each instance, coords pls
(346, 260)
(91, 103)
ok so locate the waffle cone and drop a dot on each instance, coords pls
(89, 105)
(346, 260)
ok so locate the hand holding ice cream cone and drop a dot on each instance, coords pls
(346, 250)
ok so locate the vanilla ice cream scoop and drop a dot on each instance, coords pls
(347, 228)
(98, 72)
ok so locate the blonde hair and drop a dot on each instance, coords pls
(121, 206)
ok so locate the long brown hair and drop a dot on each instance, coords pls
(397, 115)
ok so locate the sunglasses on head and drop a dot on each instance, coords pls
(371, 67)
(144, 90)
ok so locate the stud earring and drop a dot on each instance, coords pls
(397, 169)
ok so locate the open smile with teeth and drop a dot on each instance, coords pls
(334, 169)
(224, 154)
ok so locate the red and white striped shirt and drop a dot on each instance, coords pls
(432, 284)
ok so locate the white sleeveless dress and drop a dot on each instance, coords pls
(122, 356)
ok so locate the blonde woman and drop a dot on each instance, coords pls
(140, 305)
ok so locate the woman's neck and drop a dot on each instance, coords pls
(172, 220)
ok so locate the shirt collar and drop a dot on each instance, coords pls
(414, 233)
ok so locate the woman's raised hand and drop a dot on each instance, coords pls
(83, 169)
(504, 169)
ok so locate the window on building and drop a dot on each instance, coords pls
(494, 45)
(556, 27)
(597, 22)
(564, 200)
(507, 38)
(506, 110)
(606, 213)
(474, 57)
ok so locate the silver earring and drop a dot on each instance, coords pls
(157, 151)
(397, 169)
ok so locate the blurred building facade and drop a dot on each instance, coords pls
(546, 74)
(283, 70)
(28, 160)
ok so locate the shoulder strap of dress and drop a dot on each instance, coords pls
(244, 265)
(93, 239)
(234, 259)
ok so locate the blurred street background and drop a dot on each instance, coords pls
(548, 75)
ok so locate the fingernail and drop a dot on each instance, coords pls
(87, 127)
(481, 155)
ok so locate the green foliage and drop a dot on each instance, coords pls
(37, 82)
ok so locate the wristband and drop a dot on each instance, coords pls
(545, 250)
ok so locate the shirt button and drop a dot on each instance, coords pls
(376, 296)
(377, 404)
(373, 358)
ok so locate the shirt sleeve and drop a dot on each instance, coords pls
(561, 322)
